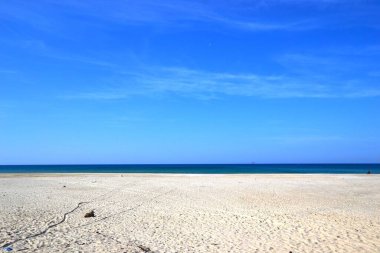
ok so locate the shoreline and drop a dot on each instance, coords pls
(199, 169)
(47, 174)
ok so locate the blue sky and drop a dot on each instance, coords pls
(189, 81)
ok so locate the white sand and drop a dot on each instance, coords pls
(191, 213)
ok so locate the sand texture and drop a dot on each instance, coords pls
(190, 213)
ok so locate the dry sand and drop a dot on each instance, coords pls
(190, 213)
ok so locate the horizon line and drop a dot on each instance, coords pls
(142, 164)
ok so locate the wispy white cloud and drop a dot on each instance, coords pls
(318, 64)
(213, 85)
(303, 76)
(70, 18)
(53, 15)
(40, 48)
(174, 12)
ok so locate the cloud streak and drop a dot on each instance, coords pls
(171, 12)
(53, 15)
(177, 81)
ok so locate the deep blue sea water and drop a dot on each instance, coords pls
(197, 168)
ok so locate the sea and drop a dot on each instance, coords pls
(198, 168)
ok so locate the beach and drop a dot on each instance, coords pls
(190, 213)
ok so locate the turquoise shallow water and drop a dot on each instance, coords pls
(196, 168)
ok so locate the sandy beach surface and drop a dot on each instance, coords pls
(190, 213)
